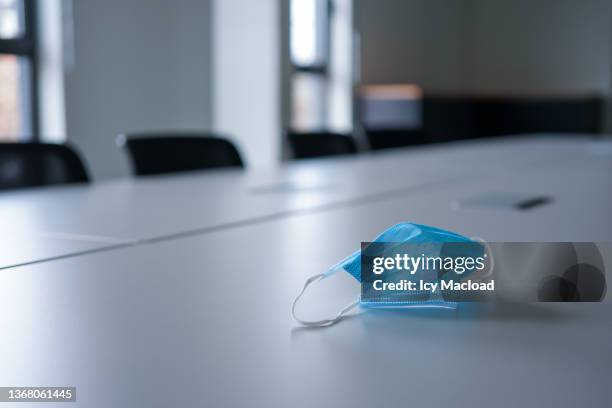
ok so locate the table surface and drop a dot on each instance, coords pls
(24, 248)
(134, 211)
(198, 314)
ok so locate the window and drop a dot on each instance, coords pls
(309, 51)
(17, 71)
(310, 34)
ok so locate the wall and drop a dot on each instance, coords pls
(138, 65)
(247, 71)
(513, 46)
(413, 41)
(540, 46)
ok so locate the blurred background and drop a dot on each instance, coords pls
(383, 73)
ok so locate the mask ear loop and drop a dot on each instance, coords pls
(319, 323)
(490, 252)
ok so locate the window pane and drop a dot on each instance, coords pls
(309, 32)
(309, 102)
(14, 98)
(11, 19)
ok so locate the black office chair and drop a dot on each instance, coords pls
(391, 138)
(317, 144)
(171, 152)
(39, 164)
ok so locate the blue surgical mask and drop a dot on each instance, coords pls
(403, 233)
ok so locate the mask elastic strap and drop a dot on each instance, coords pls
(319, 323)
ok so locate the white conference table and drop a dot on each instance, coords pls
(129, 211)
(203, 319)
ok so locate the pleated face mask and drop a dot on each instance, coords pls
(430, 241)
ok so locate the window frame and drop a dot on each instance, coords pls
(26, 46)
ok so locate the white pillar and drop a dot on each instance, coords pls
(247, 77)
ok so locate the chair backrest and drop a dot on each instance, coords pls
(317, 144)
(159, 153)
(39, 164)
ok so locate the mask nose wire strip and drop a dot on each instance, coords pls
(319, 323)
